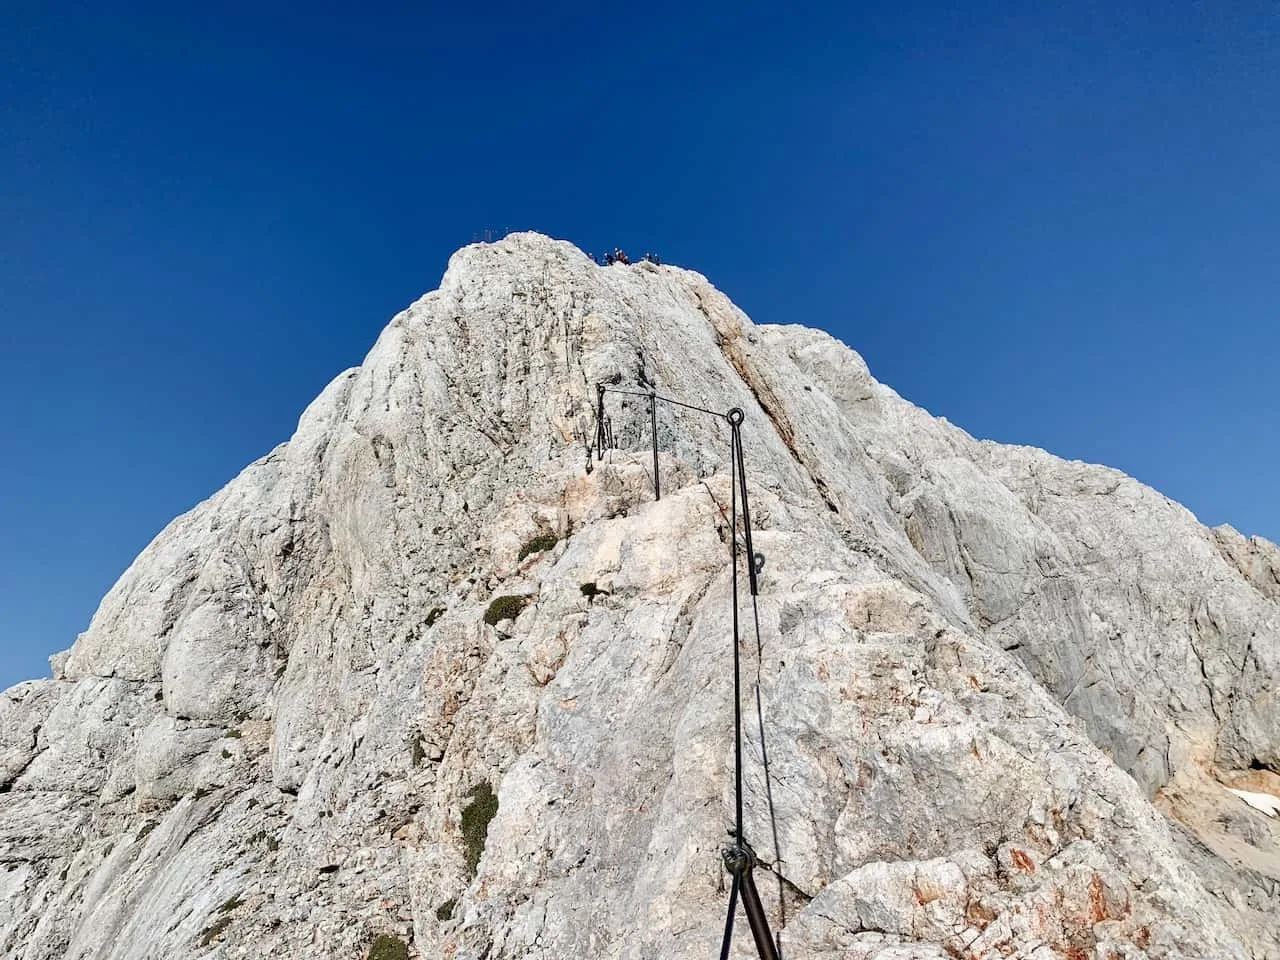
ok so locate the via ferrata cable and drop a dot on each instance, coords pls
(739, 858)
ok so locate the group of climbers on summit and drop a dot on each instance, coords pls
(620, 256)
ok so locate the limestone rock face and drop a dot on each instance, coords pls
(1002, 693)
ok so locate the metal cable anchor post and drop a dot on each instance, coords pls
(740, 861)
(653, 423)
(735, 418)
(600, 430)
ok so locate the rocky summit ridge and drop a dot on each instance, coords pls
(417, 684)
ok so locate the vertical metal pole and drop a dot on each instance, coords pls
(756, 917)
(736, 417)
(750, 896)
(737, 668)
(599, 421)
(727, 942)
(653, 422)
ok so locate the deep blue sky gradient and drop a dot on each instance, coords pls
(1054, 227)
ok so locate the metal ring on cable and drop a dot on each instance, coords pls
(735, 416)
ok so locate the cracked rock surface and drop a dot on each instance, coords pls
(1003, 693)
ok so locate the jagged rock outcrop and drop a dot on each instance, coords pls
(1003, 692)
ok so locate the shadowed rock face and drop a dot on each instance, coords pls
(1003, 692)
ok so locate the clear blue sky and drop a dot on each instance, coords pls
(1055, 227)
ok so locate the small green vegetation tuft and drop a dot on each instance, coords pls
(445, 910)
(201, 793)
(435, 614)
(233, 734)
(146, 829)
(214, 930)
(230, 905)
(476, 817)
(590, 590)
(505, 608)
(387, 947)
(543, 541)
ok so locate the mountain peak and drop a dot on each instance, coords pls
(443, 674)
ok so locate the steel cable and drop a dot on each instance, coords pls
(738, 487)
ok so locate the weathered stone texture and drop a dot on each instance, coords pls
(1002, 692)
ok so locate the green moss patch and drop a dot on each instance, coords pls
(476, 817)
(445, 910)
(543, 541)
(505, 608)
(387, 947)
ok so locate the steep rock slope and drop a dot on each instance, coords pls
(1003, 692)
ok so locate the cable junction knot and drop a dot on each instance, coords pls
(739, 856)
